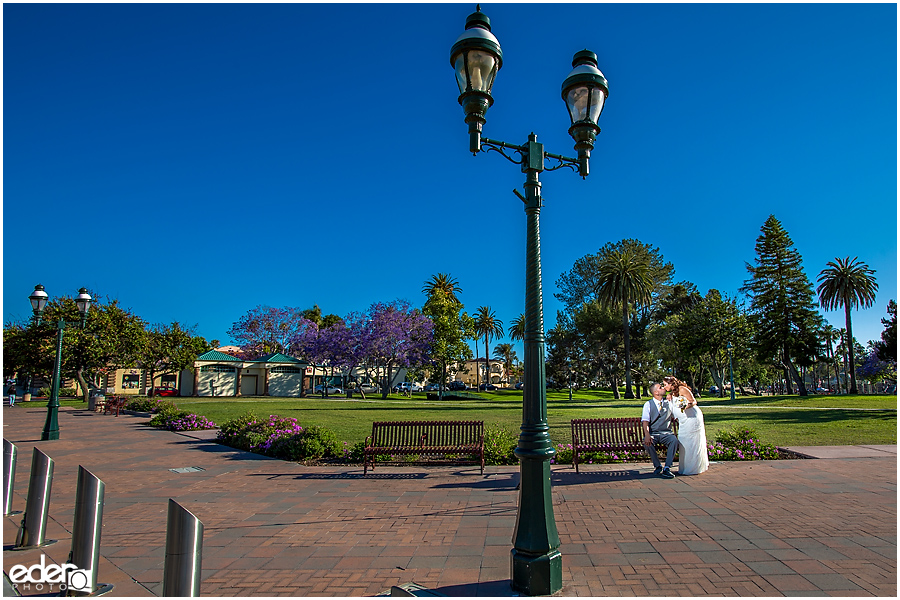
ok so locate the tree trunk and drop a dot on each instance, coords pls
(79, 375)
(801, 387)
(487, 363)
(853, 388)
(788, 388)
(629, 394)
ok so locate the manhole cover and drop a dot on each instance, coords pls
(187, 469)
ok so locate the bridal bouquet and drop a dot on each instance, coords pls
(682, 402)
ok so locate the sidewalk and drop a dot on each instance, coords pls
(822, 527)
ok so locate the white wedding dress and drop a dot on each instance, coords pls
(693, 458)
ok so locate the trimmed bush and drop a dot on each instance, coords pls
(280, 437)
(140, 404)
(167, 416)
(499, 446)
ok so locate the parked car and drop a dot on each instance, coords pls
(165, 392)
(370, 388)
(520, 385)
(331, 390)
(487, 387)
(433, 387)
(457, 386)
(406, 387)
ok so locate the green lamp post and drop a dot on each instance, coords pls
(536, 562)
(51, 425)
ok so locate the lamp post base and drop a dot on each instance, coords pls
(539, 575)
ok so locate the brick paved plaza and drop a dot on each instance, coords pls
(823, 527)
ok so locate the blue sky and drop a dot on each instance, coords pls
(195, 161)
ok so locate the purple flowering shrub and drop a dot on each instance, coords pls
(565, 454)
(279, 437)
(740, 443)
(169, 417)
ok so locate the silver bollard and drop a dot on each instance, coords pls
(37, 505)
(184, 546)
(10, 453)
(85, 553)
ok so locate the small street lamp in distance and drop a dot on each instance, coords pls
(38, 302)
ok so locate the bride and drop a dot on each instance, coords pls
(692, 455)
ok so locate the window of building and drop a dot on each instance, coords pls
(131, 382)
(285, 370)
(217, 369)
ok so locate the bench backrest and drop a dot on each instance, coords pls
(405, 434)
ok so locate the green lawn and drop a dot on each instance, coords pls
(779, 420)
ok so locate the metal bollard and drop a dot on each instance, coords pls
(184, 546)
(10, 453)
(37, 505)
(85, 553)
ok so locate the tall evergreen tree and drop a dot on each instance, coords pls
(782, 302)
(847, 283)
(887, 347)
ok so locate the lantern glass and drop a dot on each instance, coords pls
(476, 70)
(83, 301)
(38, 299)
(585, 103)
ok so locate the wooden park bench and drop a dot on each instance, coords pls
(444, 439)
(114, 403)
(610, 435)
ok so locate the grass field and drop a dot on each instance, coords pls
(779, 420)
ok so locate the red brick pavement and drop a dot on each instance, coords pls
(273, 528)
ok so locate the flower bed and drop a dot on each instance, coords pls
(280, 437)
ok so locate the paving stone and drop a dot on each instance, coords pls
(273, 528)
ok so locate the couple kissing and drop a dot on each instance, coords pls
(673, 401)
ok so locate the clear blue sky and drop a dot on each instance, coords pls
(195, 161)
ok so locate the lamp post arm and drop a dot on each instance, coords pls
(498, 147)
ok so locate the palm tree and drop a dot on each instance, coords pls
(488, 325)
(847, 283)
(624, 279)
(516, 331)
(507, 354)
(444, 282)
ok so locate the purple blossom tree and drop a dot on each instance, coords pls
(398, 336)
(265, 330)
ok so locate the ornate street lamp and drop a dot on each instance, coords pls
(536, 563)
(38, 300)
(83, 302)
(730, 369)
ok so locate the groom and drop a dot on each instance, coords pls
(656, 420)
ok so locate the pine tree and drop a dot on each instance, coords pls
(782, 301)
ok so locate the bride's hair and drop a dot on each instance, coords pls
(676, 382)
